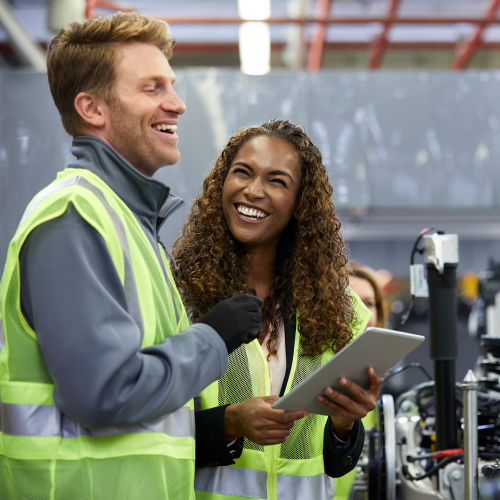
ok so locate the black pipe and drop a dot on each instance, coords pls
(444, 350)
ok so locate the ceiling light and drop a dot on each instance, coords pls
(255, 37)
(255, 48)
(254, 10)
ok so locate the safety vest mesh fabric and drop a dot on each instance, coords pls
(294, 469)
(43, 453)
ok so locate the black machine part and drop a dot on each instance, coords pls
(444, 349)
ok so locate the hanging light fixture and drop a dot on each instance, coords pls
(255, 36)
(62, 12)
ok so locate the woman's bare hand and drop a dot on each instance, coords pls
(256, 420)
(345, 411)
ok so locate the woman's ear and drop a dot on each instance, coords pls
(298, 211)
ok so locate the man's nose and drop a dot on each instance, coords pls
(174, 103)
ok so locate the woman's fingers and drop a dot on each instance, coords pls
(341, 404)
(335, 407)
(256, 420)
(375, 381)
(271, 437)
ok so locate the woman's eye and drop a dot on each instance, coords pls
(279, 181)
(240, 171)
(369, 303)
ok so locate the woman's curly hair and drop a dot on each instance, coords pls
(311, 276)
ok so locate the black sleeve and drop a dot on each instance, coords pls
(211, 447)
(340, 458)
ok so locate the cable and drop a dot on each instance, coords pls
(432, 471)
(405, 367)
(415, 250)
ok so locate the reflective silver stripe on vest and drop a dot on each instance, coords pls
(49, 421)
(319, 487)
(129, 284)
(232, 481)
(44, 193)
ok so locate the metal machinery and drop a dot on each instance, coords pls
(441, 439)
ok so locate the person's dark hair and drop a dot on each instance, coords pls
(311, 275)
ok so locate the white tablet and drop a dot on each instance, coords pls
(376, 347)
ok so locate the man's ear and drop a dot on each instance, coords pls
(92, 109)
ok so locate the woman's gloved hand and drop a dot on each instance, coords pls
(237, 320)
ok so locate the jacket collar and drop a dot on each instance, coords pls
(143, 195)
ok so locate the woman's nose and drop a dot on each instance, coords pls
(254, 189)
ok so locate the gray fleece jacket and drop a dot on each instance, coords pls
(72, 297)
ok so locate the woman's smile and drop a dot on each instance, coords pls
(250, 214)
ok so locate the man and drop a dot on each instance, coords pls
(96, 385)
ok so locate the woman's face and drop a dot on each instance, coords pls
(366, 293)
(260, 192)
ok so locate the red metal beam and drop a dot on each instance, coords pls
(330, 20)
(379, 45)
(467, 49)
(92, 5)
(105, 4)
(90, 9)
(318, 39)
(212, 48)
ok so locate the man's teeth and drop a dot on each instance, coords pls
(170, 128)
(251, 212)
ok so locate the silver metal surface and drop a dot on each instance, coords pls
(470, 387)
(409, 433)
(451, 481)
(390, 445)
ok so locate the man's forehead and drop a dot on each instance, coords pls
(144, 62)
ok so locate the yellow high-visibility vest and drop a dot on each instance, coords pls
(291, 470)
(44, 454)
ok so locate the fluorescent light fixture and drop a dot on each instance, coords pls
(62, 12)
(255, 37)
(254, 10)
(255, 48)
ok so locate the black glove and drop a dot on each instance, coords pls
(237, 320)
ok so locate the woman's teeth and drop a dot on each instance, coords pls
(251, 212)
(164, 128)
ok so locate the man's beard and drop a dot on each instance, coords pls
(129, 141)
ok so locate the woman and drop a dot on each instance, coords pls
(265, 225)
(365, 284)
(363, 281)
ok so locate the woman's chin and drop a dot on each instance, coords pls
(248, 240)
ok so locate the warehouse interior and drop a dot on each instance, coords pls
(402, 98)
